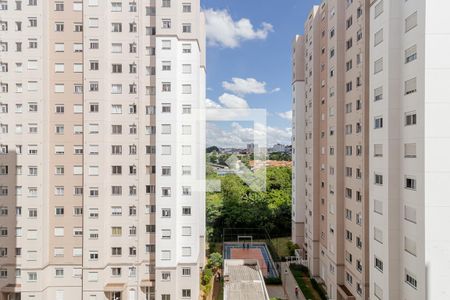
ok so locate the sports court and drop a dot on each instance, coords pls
(253, 250)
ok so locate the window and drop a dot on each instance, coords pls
(32, 276)
(166, 23)
(186, 293)
(410, 279)
(186, 170)
(378, 206)
(348, 66)
(116, 27)
(378, 264)
(410, 246)
(186, 251)
(186, 272)
(410, 86)
(165, 212)
(166, 66)
(378, 37)
(378, 235)
(186, 89)
(186, 48)
(411, 22)
(410, 118)
(378, 122)
(166, 45)
(116, 272)
(165, 150)
(116, 251)
(378, 66)
(349, 43)
(78, 27)
(165, 255)
(379, 9)
(187, 69)
(378, 179)
(349, 86)
(410, 150)
(186, 108)
(187, 28)
(186, 7)
(186, 211)
(378, 93)
(166, 87)
(186, 231)
(410, 183)
(410, 54)
(165, 3)
(165, 276)
(165, 129)
(59, 27)
(410, 214)
(378, 150)
(165, 233)
(116, 6)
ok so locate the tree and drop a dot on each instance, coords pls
(215, 261)
(236, 205)
(212, 149)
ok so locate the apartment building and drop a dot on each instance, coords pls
(331, 139)
(409, 142)
(101, 149)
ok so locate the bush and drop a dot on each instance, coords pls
(292, 247)
(273, 280)
(300, 268)
(212, 247)
(215, 261)
(207, 276)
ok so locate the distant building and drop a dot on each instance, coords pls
(278, 148)
(250, 148)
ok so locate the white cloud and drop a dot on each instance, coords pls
(211, 104)
(222, 30)
(286, 115)
(275, 90)
(232, 101)
(239, 136)
(243, 86)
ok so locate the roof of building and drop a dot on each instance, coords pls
(244, 280)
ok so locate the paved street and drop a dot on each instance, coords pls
(289, 283)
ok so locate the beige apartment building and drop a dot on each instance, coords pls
(331, 146)
(101, 149)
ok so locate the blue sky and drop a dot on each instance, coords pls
(249, 62)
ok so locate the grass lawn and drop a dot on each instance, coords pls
(304, 283)
(280, 245)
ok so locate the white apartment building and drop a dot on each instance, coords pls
(409, 145)
(102, 136)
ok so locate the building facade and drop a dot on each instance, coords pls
(102, 141)
(409, 165)
(332, 148)
(371, 142)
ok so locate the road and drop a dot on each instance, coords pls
(289, 283)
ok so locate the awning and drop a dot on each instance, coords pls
(11, 288)
(147, 283)
(114, 287)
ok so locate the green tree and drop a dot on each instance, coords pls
(215, 261)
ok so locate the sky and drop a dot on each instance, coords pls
(249, 65)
